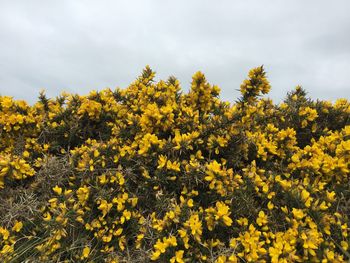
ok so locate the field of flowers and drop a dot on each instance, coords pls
(152, 174)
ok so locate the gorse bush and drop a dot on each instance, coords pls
(149, 173)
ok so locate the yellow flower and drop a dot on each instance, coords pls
(57, 190)
(175, 166)
(270, 205)
(298, 213)
(118, 232)
(233, 259)
(161, 161)
(275, 252)
(155, 255)
(262, 219)
(18, 226)
(284, 209)
(214, 167)
(330, 196)
(133, 201)
(104, 207)
(242, 221)
(120, 177)
(223, 211)
(96, 153)
(107, 238)
(178, 257)
(80, 219)
(122, 243)
(126, 216)
(7, 249)
(221, 259)
(323, 206)
(86, 252)
(171, 241)
(83, 194)
(330, 254)
(195, 224)
(344, 245)
(190, 202)
(139, 239)
(161, 246)
(304, 195)
(5, 233)
(102, 179)
(47, 216)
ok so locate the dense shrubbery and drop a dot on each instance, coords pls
(149, 173)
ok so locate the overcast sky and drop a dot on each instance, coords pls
(77, 46)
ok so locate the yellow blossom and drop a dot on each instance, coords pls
(57, 190)
(85, 253)
(18, 226)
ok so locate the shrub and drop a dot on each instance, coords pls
(149, 173)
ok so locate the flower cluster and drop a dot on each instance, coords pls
(148, 173)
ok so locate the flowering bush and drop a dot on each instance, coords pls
(149, 173)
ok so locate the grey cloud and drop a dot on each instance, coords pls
(78, 46)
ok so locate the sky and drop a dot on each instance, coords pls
(79, 46)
